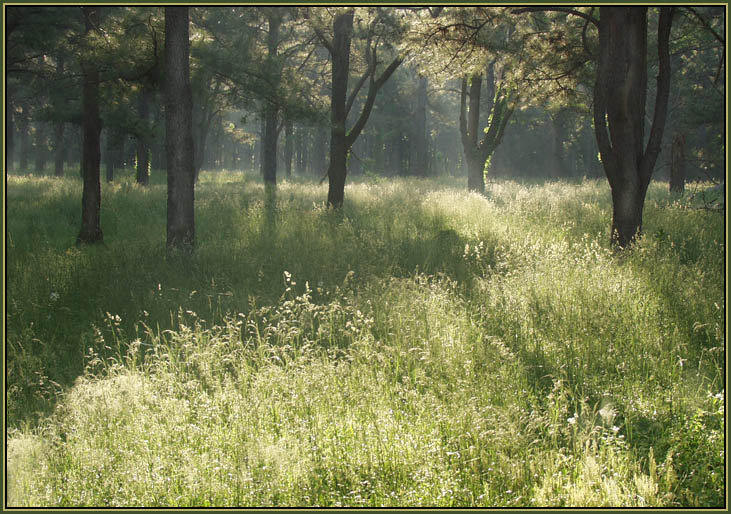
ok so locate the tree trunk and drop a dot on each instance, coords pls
(677, 164)
(269, 153)
(41, 148)
(24, 141)
(9, 137)
(479, 151)
(469, 128)
(203, 116)
(271, 134)
(58, 149)
(475, 174)
(558, 135)
(91, 197)
(288, 147)
(179, 132)
(619, 111)
(340, 53)
(143, 150)
(58, 144)
(419, 151)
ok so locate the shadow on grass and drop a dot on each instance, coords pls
(132, 277)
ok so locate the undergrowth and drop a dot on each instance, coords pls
(422, 347)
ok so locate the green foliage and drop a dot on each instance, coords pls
(423, 346)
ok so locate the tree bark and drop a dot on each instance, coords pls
(179, 132)
(340, 54)
(271, 134)
(91, 197)
(619, 111)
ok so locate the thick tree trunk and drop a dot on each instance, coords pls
(179, 132)
(143, 150)
(475, 174)
(619, 111)
(677, 164)
(91, 197)
(627, 206)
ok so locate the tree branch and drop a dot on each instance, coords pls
(663, 91)
(568, 10)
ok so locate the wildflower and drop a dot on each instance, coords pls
(54, 296)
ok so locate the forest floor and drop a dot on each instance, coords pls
(422, 347)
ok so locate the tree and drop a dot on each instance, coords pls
(271, 108)
(91, 231)
(342, 140)
(179, 132)
(476, 44)
(620, 96)
(479, 150)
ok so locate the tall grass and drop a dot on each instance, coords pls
(423, 347)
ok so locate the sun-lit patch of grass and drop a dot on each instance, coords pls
(422, 347)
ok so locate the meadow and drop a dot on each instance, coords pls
(421, 347)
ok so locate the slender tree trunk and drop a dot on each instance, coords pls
(271, 134)
(269, 144)
(109, 158)
(91, 197)
(9, 142)
(24, 140)
(143, 150)
(179, 132)
(58, 149)
(340, 53)
(479, 151)
(475, 164)
(9, 135)
(288, 147)
(619, 111)
(677, 164)
(204, 115)
(58, 144)
(41, 149)
(419, 150)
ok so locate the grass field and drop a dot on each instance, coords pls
(423, 347)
